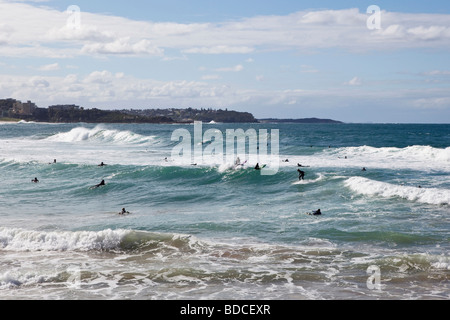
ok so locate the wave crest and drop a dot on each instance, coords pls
(376, 188)
(14, 239)
(100, 134)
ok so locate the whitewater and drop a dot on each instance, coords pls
(217, 230)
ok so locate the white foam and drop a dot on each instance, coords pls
(100, 134)
(320, 178)
(24, 240)
(413, 157)
(84, 146)
(366, 186)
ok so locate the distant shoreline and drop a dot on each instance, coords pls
(305, 121)
(12, 110)
(261, 121)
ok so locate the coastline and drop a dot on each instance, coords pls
(9, 120)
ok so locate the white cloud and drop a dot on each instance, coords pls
(220, 50)
(49, 67)
(211, 77)
(430, 33)
(105, 89)
(42, 30)
(356, 81)
(308, 69)
(432, 103)
(84, 33)
(437, 73)
(259, 78)
(123, 46)
(100, 77)
(39, 82)
(333, 17)
(236, 68)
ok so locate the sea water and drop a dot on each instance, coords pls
(217, 231)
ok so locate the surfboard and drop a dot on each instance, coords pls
(321, 177)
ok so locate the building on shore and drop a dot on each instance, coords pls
(24, 109)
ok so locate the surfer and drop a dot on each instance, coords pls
(35, 180)
(316, 213)
(363, 169)
(301, 175)
(100, 184)
(102, 164)
(257, 167)
(124, 212)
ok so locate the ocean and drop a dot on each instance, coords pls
(217, 231)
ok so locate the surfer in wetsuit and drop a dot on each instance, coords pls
(124, 212)
(35, 180)
(301, 175)
(100, 184)
(316, 213)
(102, 164)
(257, 167)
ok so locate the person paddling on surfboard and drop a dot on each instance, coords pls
(315, 213)
(124, 212)
(99, 185)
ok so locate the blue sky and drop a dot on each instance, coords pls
(284, 59)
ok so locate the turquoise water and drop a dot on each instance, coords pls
(216, 231)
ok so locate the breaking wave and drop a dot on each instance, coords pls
(376, 188)
(100, 134)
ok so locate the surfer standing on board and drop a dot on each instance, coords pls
(301, 175)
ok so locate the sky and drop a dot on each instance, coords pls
(354, 61)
